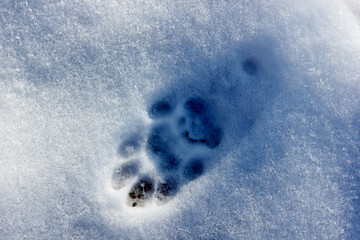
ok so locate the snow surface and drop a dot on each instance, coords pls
(77, 78)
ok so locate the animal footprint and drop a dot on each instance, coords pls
(141, 192)
(124, 173)
(182, 135)
(200, 127)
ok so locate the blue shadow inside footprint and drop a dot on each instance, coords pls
(158, 140)
(250, 66)
(159, 143)
(129, 146)
(193, 169)
(202, 127)
(122, 174)
(196, 106)
(160, 109)
(167, 188)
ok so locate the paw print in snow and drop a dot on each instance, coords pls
(177, 145)
(200, 127)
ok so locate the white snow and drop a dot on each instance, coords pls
(77, 77)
